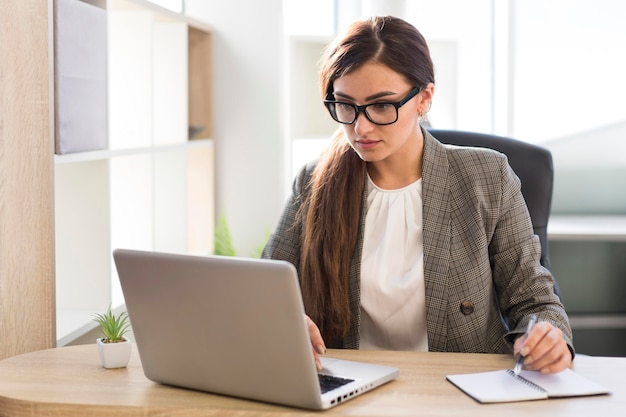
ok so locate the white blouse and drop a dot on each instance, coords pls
(393, 306)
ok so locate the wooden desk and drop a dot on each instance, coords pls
(70, 381)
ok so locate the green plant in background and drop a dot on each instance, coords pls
(113, 327)
(222, 240)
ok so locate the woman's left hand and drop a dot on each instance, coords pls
(544, 349)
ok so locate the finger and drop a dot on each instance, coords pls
(316, 337)
(558, 359)
(319, 348)
(564, 362)
(529, 342)
(550, 353)
(541, 342)
(517, 346)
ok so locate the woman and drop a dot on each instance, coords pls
(402, 242)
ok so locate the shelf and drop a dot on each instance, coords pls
(151, 186)
(108, 154)
(163, 12)
(160, 199)
(587, 228)
(72, 324)
(580, 321)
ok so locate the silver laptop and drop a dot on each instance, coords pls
(232, 326)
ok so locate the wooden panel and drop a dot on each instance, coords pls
(200, 91)
(26, 174)
(200, 199)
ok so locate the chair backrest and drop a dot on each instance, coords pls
(532, 164)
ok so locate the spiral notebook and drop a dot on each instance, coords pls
(503, 386)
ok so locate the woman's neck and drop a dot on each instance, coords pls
(398, 170)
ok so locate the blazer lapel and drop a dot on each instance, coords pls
(436, 231)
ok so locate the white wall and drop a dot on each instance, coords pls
(247, 122)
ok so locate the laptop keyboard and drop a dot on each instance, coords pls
(330, 382)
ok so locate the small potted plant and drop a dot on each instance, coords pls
(114, 349)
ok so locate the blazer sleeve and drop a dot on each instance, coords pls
(523, 286)
(285, 242)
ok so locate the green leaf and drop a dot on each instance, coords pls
(223, 241)
(113, 327)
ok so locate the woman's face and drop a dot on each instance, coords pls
(372, 83)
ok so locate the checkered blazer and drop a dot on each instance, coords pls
(481, 258)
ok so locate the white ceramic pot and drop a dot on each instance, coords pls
(114, 355)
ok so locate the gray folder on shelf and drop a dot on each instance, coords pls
(80, 76)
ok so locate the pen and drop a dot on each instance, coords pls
(520, 358)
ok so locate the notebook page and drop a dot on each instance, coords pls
(564, 384)
(496, 386)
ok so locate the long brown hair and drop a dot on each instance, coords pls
(330, 215)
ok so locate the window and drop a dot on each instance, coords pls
(543, 71)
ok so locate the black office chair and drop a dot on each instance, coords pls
(532, 164)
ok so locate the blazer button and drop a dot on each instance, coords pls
(467, 307)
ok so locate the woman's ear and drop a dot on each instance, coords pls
(426, 98)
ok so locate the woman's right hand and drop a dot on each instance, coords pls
(319, 348)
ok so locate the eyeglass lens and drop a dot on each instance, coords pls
(380, 113)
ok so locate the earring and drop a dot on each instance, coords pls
(422, 118)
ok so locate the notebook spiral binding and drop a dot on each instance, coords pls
(524, 380)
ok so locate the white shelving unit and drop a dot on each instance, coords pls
(585, 253)
(152, 187)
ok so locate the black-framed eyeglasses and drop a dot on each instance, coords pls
(380, 113)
